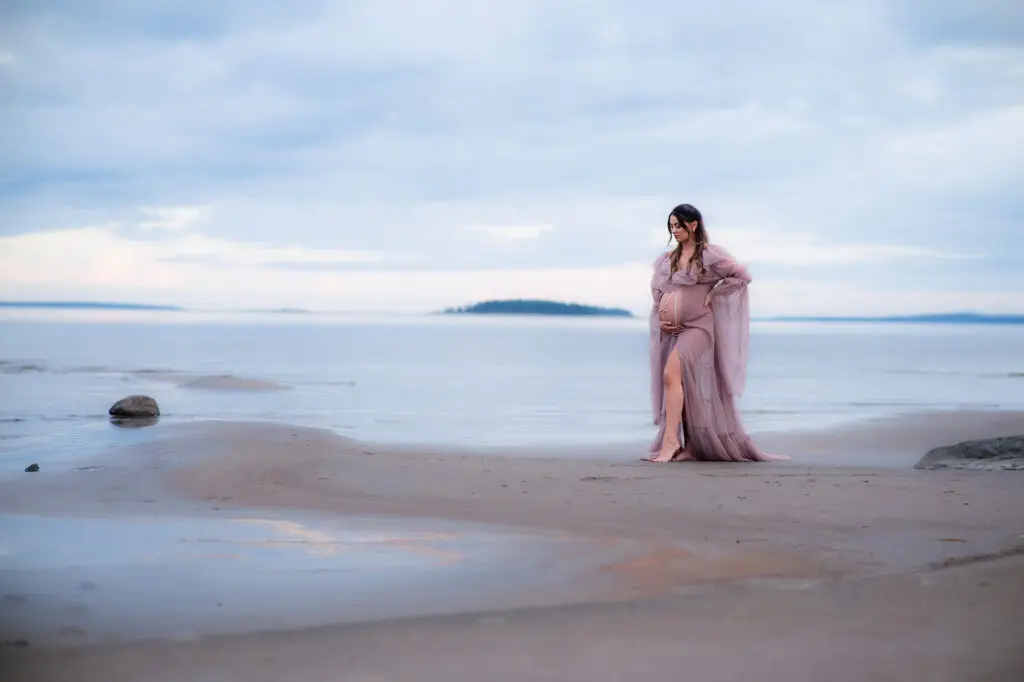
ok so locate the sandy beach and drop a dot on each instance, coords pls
(541, 565)
(337, 339)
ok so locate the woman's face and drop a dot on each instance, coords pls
(682, 232)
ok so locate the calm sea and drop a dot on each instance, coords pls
(469, 380)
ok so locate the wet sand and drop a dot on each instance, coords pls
(211, 382)
(229, 382)
(961, 625)
(100, 580)
(790, 571)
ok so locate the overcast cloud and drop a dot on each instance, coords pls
(863, 157)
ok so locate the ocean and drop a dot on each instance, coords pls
(464, 380)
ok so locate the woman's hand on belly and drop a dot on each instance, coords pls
(667, 325)
(670, 328)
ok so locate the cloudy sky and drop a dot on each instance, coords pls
(404, 155)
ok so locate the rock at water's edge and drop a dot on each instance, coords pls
(992, 454)
(31, 468)
(135, 406)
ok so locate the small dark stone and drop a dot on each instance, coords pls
(135, 407)
(31, 468)
(993, 454)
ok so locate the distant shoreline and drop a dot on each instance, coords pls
(280, 311)
(936, 318)
(86, 305)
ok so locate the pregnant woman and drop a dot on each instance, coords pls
(700, 327)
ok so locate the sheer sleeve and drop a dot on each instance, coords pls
(658, 340)
(732, 275)
(730, 305)
(654, 350)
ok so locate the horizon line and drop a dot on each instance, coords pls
(948, 316)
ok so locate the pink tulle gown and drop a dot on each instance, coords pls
(712, 348)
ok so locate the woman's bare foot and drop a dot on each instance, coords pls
(685, 455)
(668, 452)
(776, 458)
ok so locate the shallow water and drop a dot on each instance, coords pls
(468, 380)
(82, 580)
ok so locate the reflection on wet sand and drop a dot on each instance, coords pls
(319, 543)
(663, 568)
(134, 422)
(81, 580)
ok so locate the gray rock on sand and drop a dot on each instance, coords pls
(991, 454)
(135, 407)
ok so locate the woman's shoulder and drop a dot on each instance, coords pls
(662, 258)
(714, 253)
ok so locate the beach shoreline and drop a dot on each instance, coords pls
(779, 533)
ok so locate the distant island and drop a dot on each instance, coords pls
(87, 305)
(536, 307)
(935, 318)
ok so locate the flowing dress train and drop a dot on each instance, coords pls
(712, 347)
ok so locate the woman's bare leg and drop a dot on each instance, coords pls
(686, 454)
(674, 401)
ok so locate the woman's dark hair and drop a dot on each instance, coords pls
(687, 213)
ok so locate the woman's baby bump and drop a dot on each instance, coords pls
(682, 305)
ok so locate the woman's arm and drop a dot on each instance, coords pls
(732, 275)
(729, 300)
